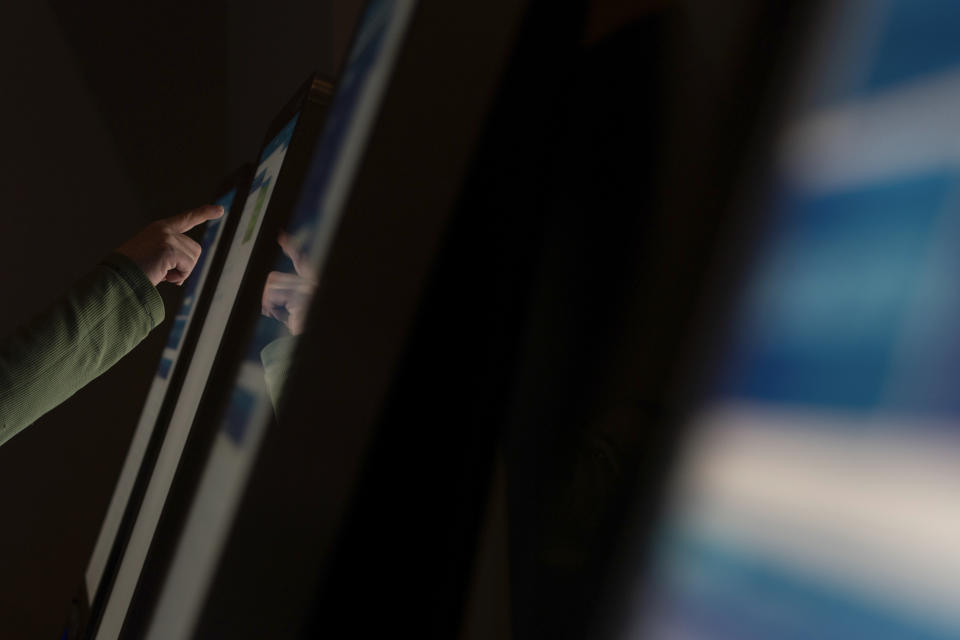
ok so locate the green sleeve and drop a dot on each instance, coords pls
(276, 358)
(99, 320)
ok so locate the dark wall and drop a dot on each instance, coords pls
(113, 115)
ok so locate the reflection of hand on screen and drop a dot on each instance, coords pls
(286, 296)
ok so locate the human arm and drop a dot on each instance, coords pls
(101, 318)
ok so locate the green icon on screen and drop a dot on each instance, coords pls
(257, 209)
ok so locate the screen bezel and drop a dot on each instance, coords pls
(239, 180)
(405, 248)
(310, 103)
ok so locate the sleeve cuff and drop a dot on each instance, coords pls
(276, 358)
(278, 352)
(134, 276)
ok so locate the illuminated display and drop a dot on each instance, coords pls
(286, 297)
(188, 402)
(181, 323)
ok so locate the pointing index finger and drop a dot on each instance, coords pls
(189, 219)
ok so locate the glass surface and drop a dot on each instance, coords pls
(817, 497)
(193, 288)
(289, 289)
(286, 298)
(224, 296)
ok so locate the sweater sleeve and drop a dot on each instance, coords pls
(276, 358)
(99, 320)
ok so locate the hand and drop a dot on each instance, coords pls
(161, 249)
(287, 296)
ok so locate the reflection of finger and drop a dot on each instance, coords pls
(287, 283)
(189, 219)
(285, 240)
(280, 279)
(272, 296)
(277, 313)
(280, 314)
(268, 301)
(273, 308)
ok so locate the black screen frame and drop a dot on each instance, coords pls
(238, 180)
(317, 533)
(310, 102)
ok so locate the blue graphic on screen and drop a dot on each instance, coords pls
(261, 180)
(241, 405)
(288, 265)
(362, 59)
(820, 321)
(919, 38)
(847, 331)
(163, 369)
(721, 592)
(282, 139)
(190, 293)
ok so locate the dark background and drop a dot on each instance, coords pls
(114, 114)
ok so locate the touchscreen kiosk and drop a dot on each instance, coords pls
(324, 225)
(259, 380)
(816, 496)
(296, 127)
(177, 352)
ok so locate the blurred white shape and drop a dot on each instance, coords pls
(868, 505)
(911, 129)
